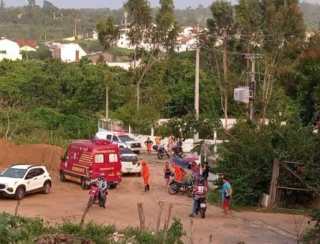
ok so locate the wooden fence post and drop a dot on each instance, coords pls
(84, 214)
(17, 208)
(141, 216)
(166, 223)
(161, 205)
(274, 183)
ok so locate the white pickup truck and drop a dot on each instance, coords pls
(120, 138)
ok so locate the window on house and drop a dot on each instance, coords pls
(3, 51)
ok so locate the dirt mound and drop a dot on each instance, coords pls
(47, 155)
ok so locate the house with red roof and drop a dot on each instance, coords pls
(27, 45)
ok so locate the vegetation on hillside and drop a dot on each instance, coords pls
(51, 23)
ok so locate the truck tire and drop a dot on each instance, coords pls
(113, 186)
(62, 176)
(83, 183)
(20, 193)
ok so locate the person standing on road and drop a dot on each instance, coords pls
(226, 196)
(145, 173)
(167, 172)
(205, 171)
(170, 144)
(149, 143)
(158, 141)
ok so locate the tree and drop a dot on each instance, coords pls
(108, 33)
(248, 155)
(49, 6)
(249, 19)
(221, 25)
(139, 13)
(31, 3)
(2, 4)
(167, 29)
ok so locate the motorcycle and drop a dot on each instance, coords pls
(97, 197)
(202, 207)
(184, 187)
(161, 151)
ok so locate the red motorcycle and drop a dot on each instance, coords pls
(97, 196)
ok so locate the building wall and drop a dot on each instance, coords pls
(71, 53)
(9, 50)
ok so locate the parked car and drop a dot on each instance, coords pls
(129, 162)
(19, 180)
(86, 160)
(120, 138)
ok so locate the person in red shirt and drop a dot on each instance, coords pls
(149, 143)
(145, 173)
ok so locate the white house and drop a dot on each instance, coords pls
(124, 41)
(9, 50)
(68, 53)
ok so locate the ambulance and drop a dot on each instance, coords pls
(86, 160)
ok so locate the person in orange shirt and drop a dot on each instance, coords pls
(179, 173)
(145, 173)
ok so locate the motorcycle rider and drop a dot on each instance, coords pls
(102, 185)
(199, 192)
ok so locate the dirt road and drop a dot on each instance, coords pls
(67, 201)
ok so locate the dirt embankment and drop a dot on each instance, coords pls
(47, 155)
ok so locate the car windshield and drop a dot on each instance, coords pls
(125, 138)
(126, 151)
(14, 173)
(129, 158)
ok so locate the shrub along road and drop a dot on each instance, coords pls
(67, 202)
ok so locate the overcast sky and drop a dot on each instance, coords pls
(106, 3)
(113, 3)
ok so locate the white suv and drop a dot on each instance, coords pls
(19, 180)
(129, 162)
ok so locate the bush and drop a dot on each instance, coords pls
(26, 230)
(97, 233)
(248, 155)
(313, 236)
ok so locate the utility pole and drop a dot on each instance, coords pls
(225, 77)
(252, 86)
(107, 103)
(197, 85)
